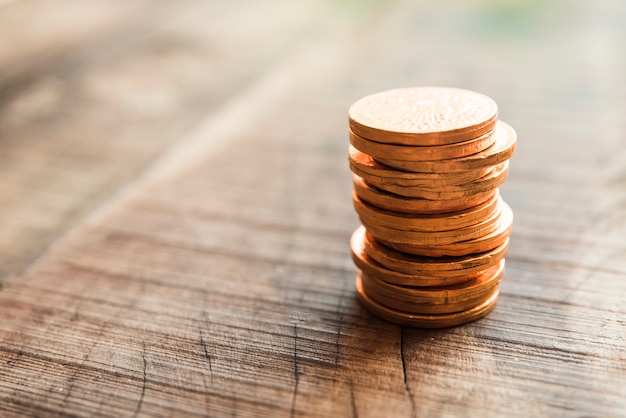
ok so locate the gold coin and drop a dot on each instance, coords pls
(415, 265)
(424, 320)
(502, 149)
(423, 116)
(433, 223)
(415, 300)
(421, 278)
(489, 182)
(422, 153)
(395, 203)
(438, 238)
(376, 173)
(458, 249)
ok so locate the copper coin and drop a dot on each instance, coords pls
(422, 153)
(420, 238)
(482, 185)
(423, 116)
(437, 222)
(440, 295)
(424, 320)
(396, 203)
(375, 172)
(458, 249)
(421, 278)
(502, 149)
(414, 264)
(407, 306)
(437, 238)
(411, 299)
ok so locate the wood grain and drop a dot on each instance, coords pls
(219, 281)
(98, 93)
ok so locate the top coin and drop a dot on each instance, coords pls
(423, 116)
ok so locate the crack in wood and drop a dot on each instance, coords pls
(143, 386)
(207, 356)
(296, 376)
(407, 387)
(353, 401)
(73, 378)
(340, 322)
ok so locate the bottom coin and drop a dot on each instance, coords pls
(424, 320)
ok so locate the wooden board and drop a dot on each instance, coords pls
(92, 96)
(218, 281)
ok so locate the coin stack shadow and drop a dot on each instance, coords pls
(427, 163)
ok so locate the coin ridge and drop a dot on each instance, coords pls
(426, 222)
(407, 302)
(462, 248)
(421, 153)
(484, 184)
(421, 320)
(443, 237)
(365, 163)
(449, 293)
(414, 264)
(396, 203)
(425, 279)
(502, 149)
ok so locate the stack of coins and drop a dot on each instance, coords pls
(427, 163)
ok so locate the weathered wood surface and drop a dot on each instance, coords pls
(205, 271)
(92, 91)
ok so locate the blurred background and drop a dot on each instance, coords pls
(94, 91)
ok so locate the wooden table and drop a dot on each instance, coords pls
(176, 209)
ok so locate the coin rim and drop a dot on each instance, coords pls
(381, 150)
(491, 181)
(426, 222)
(412, 264)
(438, 137)
(424, 320)
(405, 304)
(365, 163)
(502, 150)
(396, 203)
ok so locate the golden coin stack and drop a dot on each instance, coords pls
(427, 163)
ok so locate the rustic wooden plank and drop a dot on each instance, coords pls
(98, 89)
(220, 283)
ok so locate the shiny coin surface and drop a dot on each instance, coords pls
(405, 306)
(444, 294)
(424, 320)
(482, 185)
(423, 116)
(426, 223)
(427, 163)
(375, 173)
(440, 238)
(458, 249)
(422, 153)
(410, 264)
(396, 203)
(422, 278)
(502, 149)
(417, 300)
